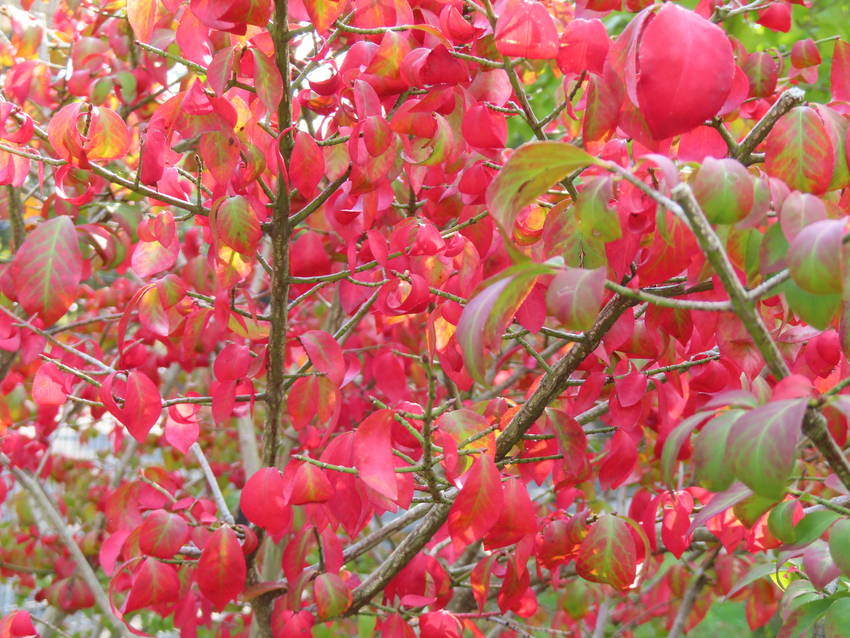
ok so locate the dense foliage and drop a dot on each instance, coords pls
(424, 317)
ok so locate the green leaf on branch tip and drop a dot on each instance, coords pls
(763, 446)
(816, 310)
(530, 171)
(815, 257)
(712, 467)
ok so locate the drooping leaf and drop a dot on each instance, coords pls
(711, 462)
(532, 169)
(325, 354)
(608, 553)
(221, 568)
(142, 403)
(262, 500)
(674, 442)
(840, 71)
(526, 30)
(323, 13)
(47, 269)
(686, 71)
(839, 545)
(154, 583)
(373, 456)
(478, 504)
(763, 445)
(486, 316)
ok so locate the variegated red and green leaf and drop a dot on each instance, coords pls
(799, 151)
(531, 169)
(236, 225)
(608, 553)
(47, 269)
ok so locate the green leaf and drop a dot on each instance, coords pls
(724, 190)
(763, 446)
(837, 619)
(839, 545)
(812, 526)
(780, 522)
(596, 219)
(530, 171)
(713, 470)
(814, 258)
(674, 442)
(332, 595)
(816, 310)
(236, 225)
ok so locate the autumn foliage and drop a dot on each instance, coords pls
(431, 318)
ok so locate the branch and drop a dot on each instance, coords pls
(218, 497)
(320, 199)
(400, 556)
(814, 424)
(665, 302)
(742, 305)
(787, 101)
(691, 594)
(555, 382)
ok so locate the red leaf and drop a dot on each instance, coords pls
(840, 71)
(619, 462)
(142, 403)
(154, 583)
(163, 534)
(323, 13)
(685, 71)
(307, 166)
(221, 569)
(262, 501)
(310, 485)
(526, 30)
(517, 520)
(478, 505)
(776, 17)
(373, 455)
(608, 554)
(325, 354)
